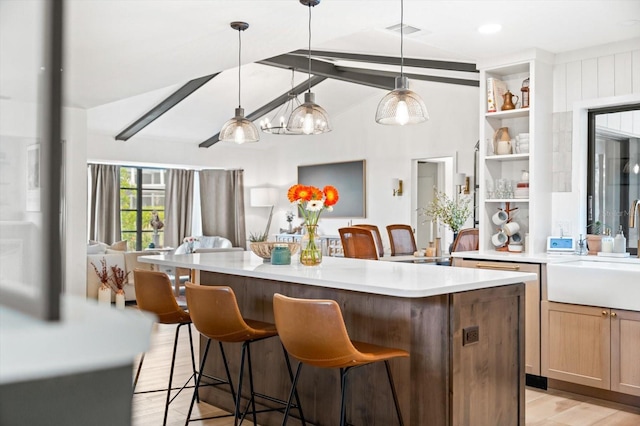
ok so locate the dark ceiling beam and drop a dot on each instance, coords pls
(268, 107)
(392, 60)
(423, 77)
(372, 78)
(164, 106)
(328, 70)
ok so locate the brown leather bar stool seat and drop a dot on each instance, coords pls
(358, 243)
(216, 315)
(313, 331)
(154, 294)
(402, 240)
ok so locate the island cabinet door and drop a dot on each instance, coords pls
(487, 362)
(625, 352)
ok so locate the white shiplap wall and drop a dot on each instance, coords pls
(602, 72)
(587, 75)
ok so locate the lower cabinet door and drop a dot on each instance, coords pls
(576, 342)
(625, 352)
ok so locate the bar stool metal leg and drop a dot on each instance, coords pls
(219, 382)
(393, 392)
(135, 380)
(193, 362)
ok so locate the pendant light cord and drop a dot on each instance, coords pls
(309, 69)
(239, 65)
(401, 38)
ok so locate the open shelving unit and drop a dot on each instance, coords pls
(533, 214)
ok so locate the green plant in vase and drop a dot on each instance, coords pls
(311, 203)
(451, 212)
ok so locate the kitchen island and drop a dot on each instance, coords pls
(463, 328)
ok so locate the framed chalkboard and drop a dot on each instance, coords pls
(349, 179)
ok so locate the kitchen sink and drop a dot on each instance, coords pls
(605, 284)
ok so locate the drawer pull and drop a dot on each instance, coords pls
(604, 313)
(503, 267)
(613, 314)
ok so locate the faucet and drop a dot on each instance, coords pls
(635, 210)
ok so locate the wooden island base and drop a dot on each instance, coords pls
(442, 383)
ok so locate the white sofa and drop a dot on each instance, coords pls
(206, 242)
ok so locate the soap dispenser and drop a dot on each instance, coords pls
(620, 242)
(607, 242)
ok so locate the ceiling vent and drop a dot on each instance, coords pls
(408, 29)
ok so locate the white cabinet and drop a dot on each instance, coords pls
(533, 212)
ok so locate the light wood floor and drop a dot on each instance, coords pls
(543, 408)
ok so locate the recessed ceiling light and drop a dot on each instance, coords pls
(489, 28)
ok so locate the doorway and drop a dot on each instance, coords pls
(431, 173)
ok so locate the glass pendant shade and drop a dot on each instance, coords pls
(239, 129)
(309, 118)
(401, 106)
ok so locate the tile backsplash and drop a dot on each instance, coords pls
(561, 171)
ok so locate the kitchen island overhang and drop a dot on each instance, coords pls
(428, 310)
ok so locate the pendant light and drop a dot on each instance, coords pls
(239, 129)
(309, 118)
(401, 106)
(277, 125)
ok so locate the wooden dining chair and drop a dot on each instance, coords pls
(376, 235)
(467, 240)
(358, 243)
(402, 239)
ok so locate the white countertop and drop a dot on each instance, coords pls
(368, 276)
(89, 337)
(538, 257)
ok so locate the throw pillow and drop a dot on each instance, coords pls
(120, 246)
(96, 249)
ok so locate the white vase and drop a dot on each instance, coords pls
(104, 296)
(120, 300)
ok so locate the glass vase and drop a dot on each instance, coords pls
(311, 247)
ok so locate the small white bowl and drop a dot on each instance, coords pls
(515, 248)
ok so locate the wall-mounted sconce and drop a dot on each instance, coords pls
(462, 183)
(397, 187)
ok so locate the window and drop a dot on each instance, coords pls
(141, 193)
(613, 179)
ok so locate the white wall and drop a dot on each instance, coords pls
(584, 79)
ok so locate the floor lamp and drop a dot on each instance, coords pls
(264, 197)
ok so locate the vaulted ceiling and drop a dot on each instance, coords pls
(141, 51)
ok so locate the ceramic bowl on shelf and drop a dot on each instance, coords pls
(515, 248)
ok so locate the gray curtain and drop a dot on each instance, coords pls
(178, 206)
(222, 201)
(104, 223)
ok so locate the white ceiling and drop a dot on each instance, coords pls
(116, 49)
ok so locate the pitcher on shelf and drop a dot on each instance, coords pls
(508, 103)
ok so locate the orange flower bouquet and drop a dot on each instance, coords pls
(311, 203)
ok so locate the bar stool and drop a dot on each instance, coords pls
(154, 294)
(216, 315)
(313, 331)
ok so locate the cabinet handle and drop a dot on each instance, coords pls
(505, 267)
(613, 315)
(604, 313)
